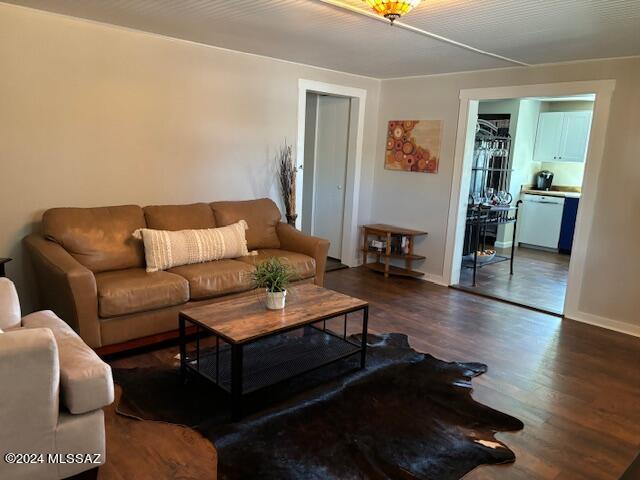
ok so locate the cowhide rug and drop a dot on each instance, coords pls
(408, 415)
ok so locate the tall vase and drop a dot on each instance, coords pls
(291, 219)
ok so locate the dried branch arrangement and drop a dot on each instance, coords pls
(287, 177)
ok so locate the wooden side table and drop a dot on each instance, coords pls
(383, 258)
(3, 261)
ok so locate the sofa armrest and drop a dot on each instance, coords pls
(66, 287)
(29, 380)
(296, 241)
(9, 305)
(86, 382)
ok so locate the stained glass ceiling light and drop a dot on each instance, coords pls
(392, 9)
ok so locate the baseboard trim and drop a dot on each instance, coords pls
(498, 298)
(603, 322)
(595, 320)
(503, 244)
(437, 279)
(538, 247)
(427, 277)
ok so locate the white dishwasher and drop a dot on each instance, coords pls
(540, 220)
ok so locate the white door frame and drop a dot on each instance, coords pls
(469, 99)
(354, 161)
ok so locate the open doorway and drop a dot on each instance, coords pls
(526, 180)
(330, 136)
(500, 202)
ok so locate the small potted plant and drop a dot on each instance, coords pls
(274, 276)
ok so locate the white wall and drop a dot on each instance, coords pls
(94, 115)
(523, 163)
(525, 167)
(565, 174)
(611, 283)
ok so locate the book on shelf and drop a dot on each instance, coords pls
(379, 245)
(400, 244)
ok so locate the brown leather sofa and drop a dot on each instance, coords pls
(91, 271)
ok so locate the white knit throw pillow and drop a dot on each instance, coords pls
(165, 249)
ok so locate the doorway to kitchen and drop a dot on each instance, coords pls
(330, 136)
(527, 172)
(526, 177)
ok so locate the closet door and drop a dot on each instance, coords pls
(548, 136)
(332, 147)
(575, 136)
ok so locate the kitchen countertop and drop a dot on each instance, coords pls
(552, 193)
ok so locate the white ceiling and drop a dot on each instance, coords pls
(317, 33)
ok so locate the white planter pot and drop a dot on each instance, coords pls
(275, 300)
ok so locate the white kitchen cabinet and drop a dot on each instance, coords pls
(575, 136)
(548, 136)
(562, 136)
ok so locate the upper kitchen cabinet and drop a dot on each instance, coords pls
(575, 136)
(562, 136)
(548, 137)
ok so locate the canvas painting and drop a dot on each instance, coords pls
(413, 145)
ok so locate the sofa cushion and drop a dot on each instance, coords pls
(98, 238)
(179, 217)
(164, 249)
(303, 265)
(134, 290)
(85, 380)
(261, 216)
(213, 279)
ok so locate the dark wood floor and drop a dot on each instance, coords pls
(576, 387)
(539, 279)
(334, 264)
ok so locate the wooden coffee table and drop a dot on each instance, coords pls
(254, 347)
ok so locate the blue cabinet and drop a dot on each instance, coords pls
(568, 225)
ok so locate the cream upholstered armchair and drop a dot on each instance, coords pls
(52, 390)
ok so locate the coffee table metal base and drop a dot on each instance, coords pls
(244, 368)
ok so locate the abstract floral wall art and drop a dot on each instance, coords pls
(413, 145)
